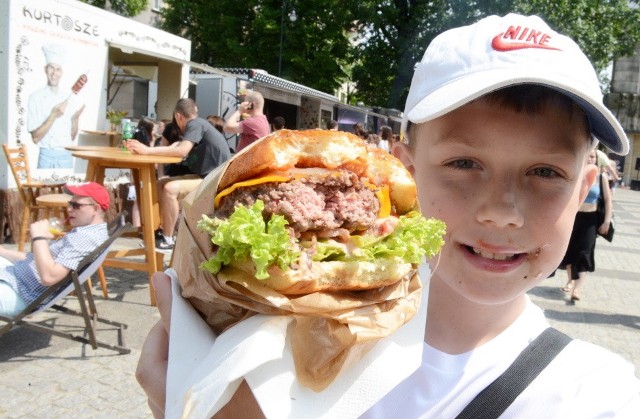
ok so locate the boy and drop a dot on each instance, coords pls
(500, 119)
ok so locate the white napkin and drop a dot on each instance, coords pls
(204, 371)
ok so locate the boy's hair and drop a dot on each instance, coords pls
(531, 99)
(466, 63)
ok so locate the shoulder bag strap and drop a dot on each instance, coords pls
(498, 396)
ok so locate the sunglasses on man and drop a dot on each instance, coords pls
(76, 205)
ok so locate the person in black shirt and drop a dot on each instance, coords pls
(202, 148)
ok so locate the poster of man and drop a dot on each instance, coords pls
(53, 111)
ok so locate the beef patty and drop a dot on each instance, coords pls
(322, 205)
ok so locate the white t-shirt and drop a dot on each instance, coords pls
(583, 381)
(40, 104)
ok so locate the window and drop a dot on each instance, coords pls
(156, 5)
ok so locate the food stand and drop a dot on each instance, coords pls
(83, 44)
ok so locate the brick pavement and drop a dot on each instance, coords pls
(46, 377)
(608, 313)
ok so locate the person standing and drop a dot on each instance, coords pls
(386, 138)
(25, 276)
(580, 255)
(332, 125)
(248, 120)
(360, 131)
(278, 123)
(48, 120)
(203, 149)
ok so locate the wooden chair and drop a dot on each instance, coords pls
(77, 282)
(18, 160)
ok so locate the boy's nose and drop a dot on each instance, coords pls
(500, 205)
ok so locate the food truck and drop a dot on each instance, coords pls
(218, 91)
(59, 59)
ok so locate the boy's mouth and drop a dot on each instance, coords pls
(494, 256)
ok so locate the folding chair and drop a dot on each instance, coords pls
(111, 228)
(75, 282)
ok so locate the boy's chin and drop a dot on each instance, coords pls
(496, 293)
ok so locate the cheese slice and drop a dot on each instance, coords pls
(250, 182)
(382, 192)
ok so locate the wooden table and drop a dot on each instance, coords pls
(55, 203)
(144, 177)
(95, 148)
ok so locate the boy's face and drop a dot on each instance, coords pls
(508, 186)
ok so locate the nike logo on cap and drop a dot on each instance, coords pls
(517, 37)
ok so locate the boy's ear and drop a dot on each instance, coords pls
(590, 174)
(403, 153)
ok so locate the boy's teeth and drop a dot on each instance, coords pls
(496, 256)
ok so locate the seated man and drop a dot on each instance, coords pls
(203, 149)
(27, 275)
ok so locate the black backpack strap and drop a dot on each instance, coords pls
(498, 396)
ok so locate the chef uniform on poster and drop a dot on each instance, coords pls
(53, 113)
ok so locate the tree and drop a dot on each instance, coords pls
(398, 32)
(603, 29)
(122, 7)
(390, 36)
(228, 33)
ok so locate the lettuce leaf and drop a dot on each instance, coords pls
(413, 238)
(245, 234)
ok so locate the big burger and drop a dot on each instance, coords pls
(318, 210)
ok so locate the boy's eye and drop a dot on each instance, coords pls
(544, 172)
(462, 164)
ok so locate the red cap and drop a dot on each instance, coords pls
(92, 190)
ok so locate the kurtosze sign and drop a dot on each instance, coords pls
(65, 22)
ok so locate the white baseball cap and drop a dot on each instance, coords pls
(465, 63)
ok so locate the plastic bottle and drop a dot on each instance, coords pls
(127, 132)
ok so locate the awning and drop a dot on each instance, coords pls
(134, 59)
(277, 83)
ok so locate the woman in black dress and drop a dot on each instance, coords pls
(580, 256)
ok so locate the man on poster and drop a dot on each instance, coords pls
(53, 114)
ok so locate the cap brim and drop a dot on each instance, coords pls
(70, 190)
(604, 126)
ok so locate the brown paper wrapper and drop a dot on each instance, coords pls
(330, 330)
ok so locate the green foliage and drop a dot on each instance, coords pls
(122, 7)
(603, 29)
(228, 33)
(401, 30)
(391, 35)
